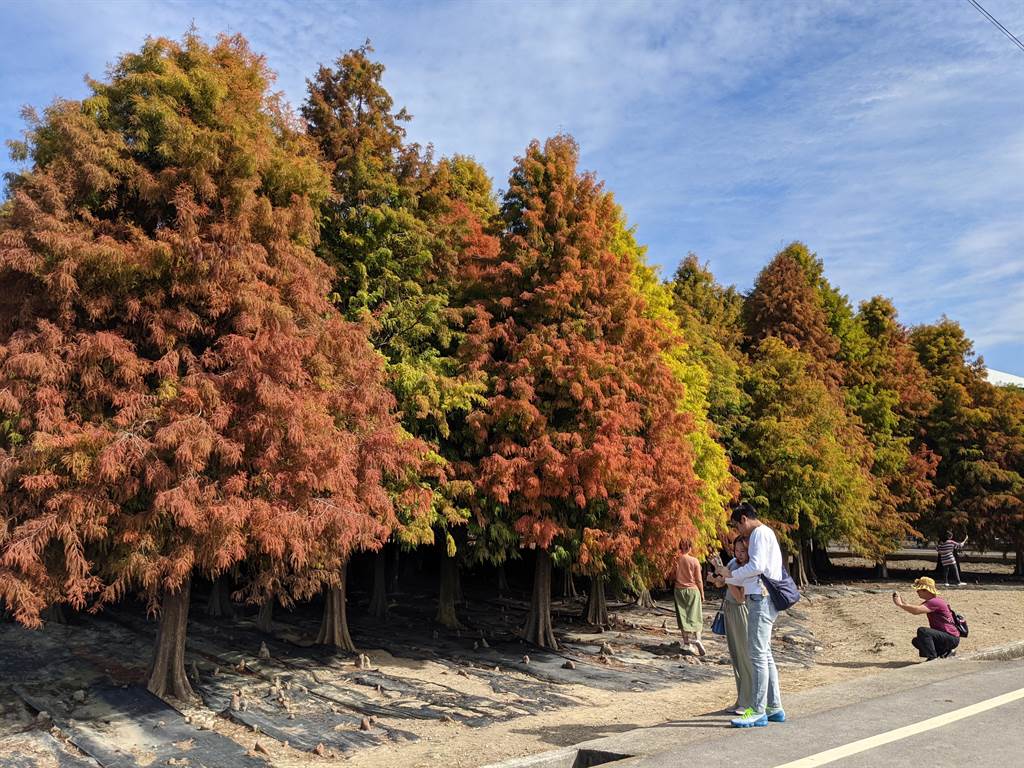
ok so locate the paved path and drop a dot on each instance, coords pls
(968, 719)
(944, 714)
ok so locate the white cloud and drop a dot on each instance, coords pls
(886, 136)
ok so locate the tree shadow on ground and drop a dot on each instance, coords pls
(567, 735)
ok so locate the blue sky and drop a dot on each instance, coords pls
(888, 136)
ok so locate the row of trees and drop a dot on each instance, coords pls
(241, 342)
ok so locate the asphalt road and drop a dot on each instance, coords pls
(936, 724)
(944, 714)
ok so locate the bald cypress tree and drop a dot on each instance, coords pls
(583, 449)
(391, 228)
(976, 430)
(786, 305)
(887, 388)
(177, 394)
(802, 457)
(793, 305)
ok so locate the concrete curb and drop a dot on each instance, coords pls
(1006, 652)
(566, 757)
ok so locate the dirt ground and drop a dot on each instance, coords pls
(858, 629)
(458, 699)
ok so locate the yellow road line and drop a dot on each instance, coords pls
(862, 745)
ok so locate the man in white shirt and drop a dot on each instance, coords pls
(765, 560)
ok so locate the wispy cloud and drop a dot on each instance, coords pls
(886, 136)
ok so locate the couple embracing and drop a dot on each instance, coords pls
(764, 584)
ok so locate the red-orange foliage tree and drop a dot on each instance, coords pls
(584, 449)
(177, 393)
(784, 304)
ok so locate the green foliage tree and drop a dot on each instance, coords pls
(393, 229)
(975, 428)
(793, 303)
(802, 456)
(687, 356)
(887, 389)
(711, 318)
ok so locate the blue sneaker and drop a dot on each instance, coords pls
(750, 719)
(776, 715)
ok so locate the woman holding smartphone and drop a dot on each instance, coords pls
(735, 610)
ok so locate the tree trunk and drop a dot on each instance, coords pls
(219, 605)
(538, 629)
(55, 614)
(502, 581)
(265, 618)
(799, 572)
(446, 614)
(167, 672)
(334, 626)
(882, 569)
(379, 600)
(644, 599)
(617, 590)
(807, 563)
(820, 562)
(597, 605)
(395, 571)
(1018, 570)
(568, 585)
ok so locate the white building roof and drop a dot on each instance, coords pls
(1001, 379)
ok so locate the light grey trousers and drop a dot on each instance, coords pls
(761, 615)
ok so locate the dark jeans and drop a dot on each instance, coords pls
(933, 643)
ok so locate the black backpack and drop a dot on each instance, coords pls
(959, 621)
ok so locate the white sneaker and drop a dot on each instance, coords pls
(962, 584)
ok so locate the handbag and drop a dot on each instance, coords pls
(783, 592)
(718, 623)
